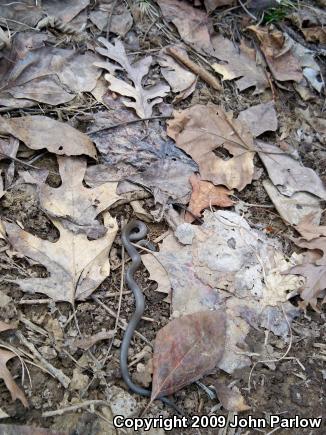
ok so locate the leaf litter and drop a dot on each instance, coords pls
(235, 284)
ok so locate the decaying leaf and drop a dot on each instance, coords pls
(239, 62)
(315, 34)
(211, 5)
(308, 227)
(121, 21)
(179, 78)
(77, 266)
(34, 73)
(205, 195)
(144, 97)
(202, 132)
(77, 205)
(260, 118)
(158, 273)
(316, 122)
(318, 244)
(295, 207)
(15, 391)
(39, 132)
(287, 173)
(230, 397)
(279, 57)
(192, 24)
(186, 349)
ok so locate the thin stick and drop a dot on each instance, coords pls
(194, 67)
(85, 404)
(133, 121)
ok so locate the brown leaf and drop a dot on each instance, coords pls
(315, 282)
(204, 195)
(211, 5)
(315, 34)
(318, 244)
(316, 122)
(6, 326)
(39, 132)
(202, 131)
(230, 397)
(179, 78)
(33, 73)
(121, 21)
(279, 57)
(309, 229)
(78, 214)
(287, 173)
(158, 273)
(192, 24)
(15, 391)
(77, 266)
(239, 62)
(12, 429)
(260, 118)
(186, 349)
(144, 98)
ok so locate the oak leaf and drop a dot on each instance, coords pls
(77, 205)
(39, 132)
(309, 229)
(204, 195)
(186, 349)
(77, 266)
(202, 131)
(144, 98)
(315, 282)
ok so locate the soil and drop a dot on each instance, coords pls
(295, 385)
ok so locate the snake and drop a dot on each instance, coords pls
(132, 232)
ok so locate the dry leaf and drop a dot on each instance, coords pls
(6, 326)
(121, 21)
(316, 122)
(32, 72)
(230, 397)
(205, 195)
(186, 349)
(315, 282)
(279, 57)
(65, 11)
(293, 208)
(287, 173)
(15, 391)
(77, 266)
(179, 78)
(144, 97)
(158, 273)
(202, 131)
(239, 62)
(39, 132)
(192, 24)
(260, 118)
(77, 205)
(308, 227)
(211, 5)
(315, 34)
(318, 244)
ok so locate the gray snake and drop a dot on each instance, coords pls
(134, 231)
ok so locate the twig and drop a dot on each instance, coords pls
(194, 67)
(85, 404)
(110, 19)
(24, 163)
(133, 121)
(56, 373)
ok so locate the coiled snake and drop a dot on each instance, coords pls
(134, 231)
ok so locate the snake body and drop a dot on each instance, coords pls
(134, 231)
